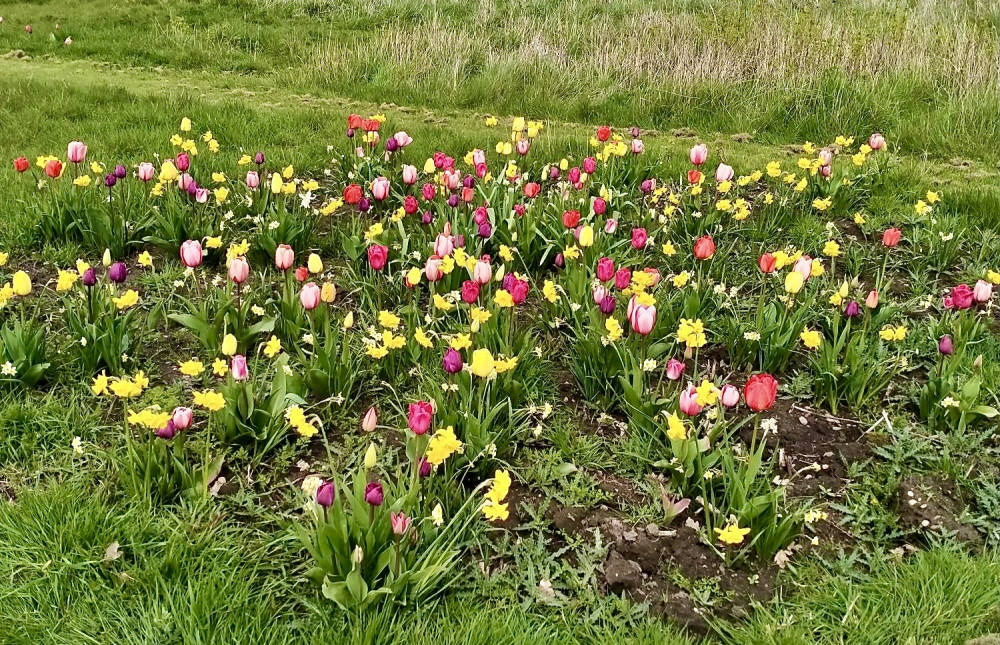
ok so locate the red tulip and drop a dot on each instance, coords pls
(377, 256)
(891, 237)
(760, 392)
(704, 247)
(767, 263)
(21, 164)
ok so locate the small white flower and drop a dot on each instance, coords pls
(8, 369)
(769, 425)
(77, 445)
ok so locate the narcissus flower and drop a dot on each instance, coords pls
(210, 400)
(442, 445)
(732, 534)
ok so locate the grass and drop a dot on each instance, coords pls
(281, 76)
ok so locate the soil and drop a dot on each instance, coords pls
(931, 506)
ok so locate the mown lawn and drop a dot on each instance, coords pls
(84, 560)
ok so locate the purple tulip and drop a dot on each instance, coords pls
(452, 361)
(469, 181)
(485, 230)
(560, 262)
(325, 494)
(391, 145)
(259, 158)
(120, 171)
(607, 305)
(453, 201)
(118, 272)
(110, 180)
(166, 432)
(89, 278)
(427, 218)
(374, 494)
(350, 133)
(425, 468)
(946, 346)
(852, 309)
(364, 205)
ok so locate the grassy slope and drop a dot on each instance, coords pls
(231, 67)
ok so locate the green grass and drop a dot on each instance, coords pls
(281, 76)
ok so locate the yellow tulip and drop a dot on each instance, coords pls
(586, 236)
(482, 363)
(22, 283)
(229, 345)
(793, 282)
(315, 264)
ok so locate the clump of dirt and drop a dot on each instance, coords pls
(669, 568)
(929, 505)
(742, 137)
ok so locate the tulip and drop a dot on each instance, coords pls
(380, 188)
(309, 296)
(704, 247)
(852, 310)
(53, 168)
(183, 162)
(301, 274)
(589, 165)
(374, 494)
(425, 468)
(607, 305)
(605, 269)
(21, 283)
(259, 158)
(695, 176)
(443, 245)
(559, 261)
(483, 364)
(485, 230)
(146, 171)
(432, 269)
(229, 345)
(377, 256)
(647, 186)
(639, 238)
(891, 237)
(238, 368)
(599, 293)
(400, 523)
(239, 270)
(730, 395)
(638, 146)
(166, 432)
(314, 263)
(89, 278)
(370, 421)
(623, 278)
(876, 141)
(118, 272)
(21, 164)
(960, 297)
(723, 173)
(419, 417)
(353, 194)
(482, 273)
(983, 291)
(470, 291)
(872, 300)
(284, 257)
(452, 361)
(825, 157)
(191, 253)
(518, 291)
(522, 146)
(643, 319)
(600, 206)
(674, 369)
(120, 171)
(201, 196)
(586, 236)
(76, 152)
(698, 154)
(688, 401)
(182, 418)
(611, 226)
(325, 494)
(409, 175)
(760, 392)
(110, 180)
(946, 346)
(328, 293)
(804, 267)
(253, 179)
(826, 171)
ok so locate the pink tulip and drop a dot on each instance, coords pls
(402, 139)
(284, 257)
(419, 417)
(201, 195)
(522, 146)
(370, 421)
(182, 418)
(876, 141)
(674, 369)
(239, 270)
(253, 179)
(409, 175)
(611, 226)
(191, 253)
(723, 173)
(825, 157)
(443, 245)
(983, 291)
(639, 238)
(478, 157)
(76, 151)
(688, 403)
(238, 368)
(146, 171)
(400, 523)
(482, 272)
(872, 300)
(698, 154)
(310, 296)
(637, 146)
(380, 188)
(730, 395)
(432, 269)
(643, 319)
(600, 293)
(804, 267)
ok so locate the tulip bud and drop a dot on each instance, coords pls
(374, 494)
(730, 395)
(946, 346)
(182, 418)
(872, 300)
(370, 421)
(325, 494)
(371, 457)
(238, 368)
(118, 272)
(315, 264)
(328, 293)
